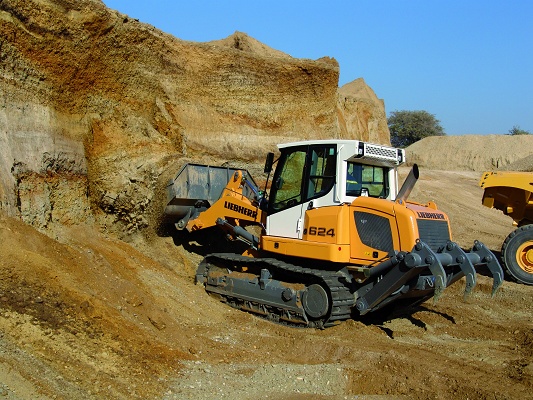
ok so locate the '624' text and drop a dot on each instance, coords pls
(319, 231)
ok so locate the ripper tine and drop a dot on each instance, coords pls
(467, 268)
(432, 260)
(489, 259)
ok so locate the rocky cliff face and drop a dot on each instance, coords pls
(95, 107)
(360, 112)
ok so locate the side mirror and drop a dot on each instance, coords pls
(269, 162)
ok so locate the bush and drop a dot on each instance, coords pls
(517, 131)
(407, 127)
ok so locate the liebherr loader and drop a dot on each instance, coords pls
(338, 237)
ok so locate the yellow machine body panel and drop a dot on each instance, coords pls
(509, 192)
(326, 236)
(374, 230)
(422, 216)
(383, 227)
(327, 225)
(306, 249)
(362, 233)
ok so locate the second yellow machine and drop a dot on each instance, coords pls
(337, 236)
(512, 193)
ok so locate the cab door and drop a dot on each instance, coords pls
(303, 174)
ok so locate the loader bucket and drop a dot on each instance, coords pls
(195, 188)
(509, 192)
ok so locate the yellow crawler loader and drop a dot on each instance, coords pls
(337, 236)
(512, 193)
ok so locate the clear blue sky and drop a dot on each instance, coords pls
(470, 63)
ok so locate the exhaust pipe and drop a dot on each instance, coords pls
(408, 185)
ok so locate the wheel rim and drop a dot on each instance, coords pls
(524, 257)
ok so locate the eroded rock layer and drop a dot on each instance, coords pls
(96, 106)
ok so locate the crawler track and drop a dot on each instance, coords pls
(278, 291)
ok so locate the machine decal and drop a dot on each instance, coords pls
(430, 215)
(240, 209)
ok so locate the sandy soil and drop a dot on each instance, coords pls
(86, 316)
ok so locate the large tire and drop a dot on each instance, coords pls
(517, 254)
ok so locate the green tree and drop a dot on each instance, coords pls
(407, 127)
(517, 131)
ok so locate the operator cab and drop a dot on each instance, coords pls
(325, 173)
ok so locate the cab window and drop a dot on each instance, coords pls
(322, 171)
(366, 180)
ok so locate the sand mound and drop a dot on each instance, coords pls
(472, 152)
(524, 164)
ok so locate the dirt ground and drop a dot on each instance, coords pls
(86, 316)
